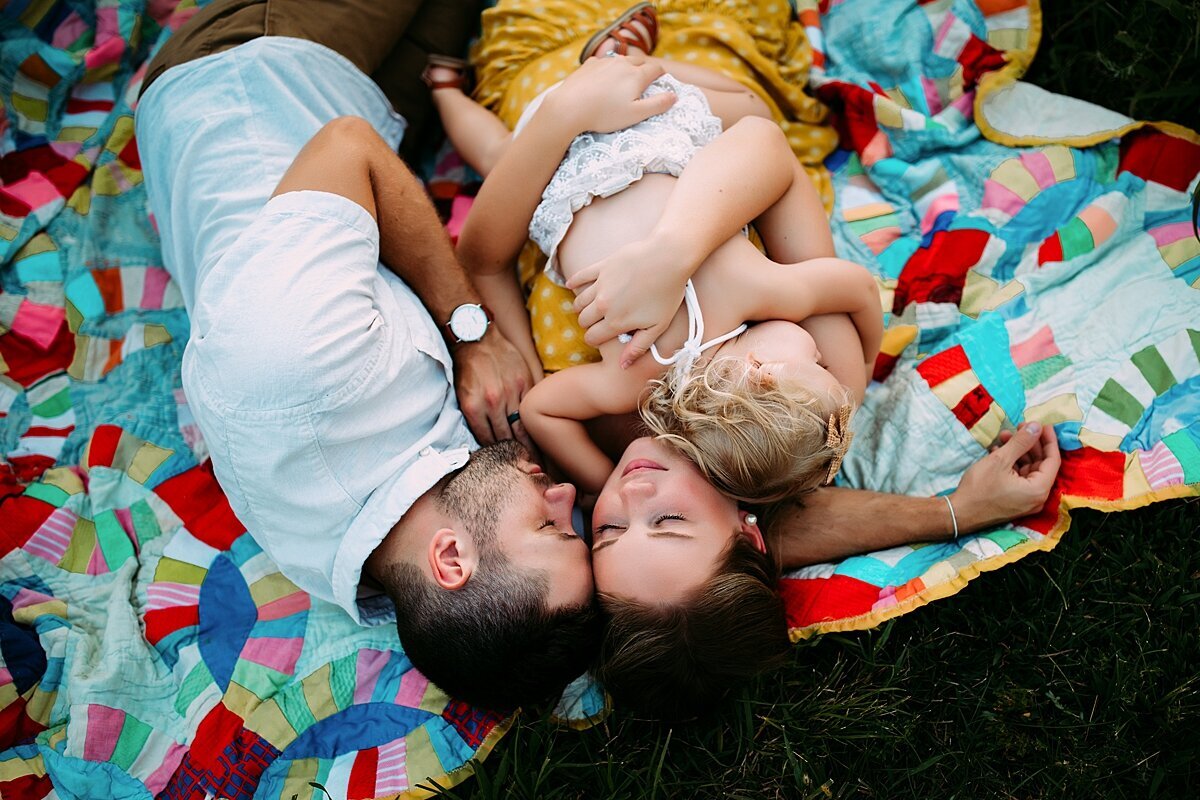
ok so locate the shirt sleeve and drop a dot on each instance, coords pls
(290, 314)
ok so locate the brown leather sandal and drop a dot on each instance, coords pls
(626, 33)
(459, 81)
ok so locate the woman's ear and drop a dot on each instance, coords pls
(451, 559)
(748, 527)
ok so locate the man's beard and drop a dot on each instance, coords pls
(481, 490)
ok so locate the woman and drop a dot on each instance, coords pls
(685, 575)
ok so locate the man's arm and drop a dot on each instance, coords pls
(347, 157)
(1012, 481)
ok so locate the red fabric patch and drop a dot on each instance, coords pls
(103, 448)
(1095, 474)
(42, 430)
(28, 362)
(197, 499)
(978, 58)
(28, 469)
(361, 785)
(936, 273)
(884, 364)
(20, 516)
(129, 154)
(1045, 519)
(16, 726)
(216, 732)
(77, 105)
(1156, 156)
(812, 600)
(13, 207)
(26, 787)
(473, 724)
(944, 365)
(854, 113)
(162, 622)
(1051, 250)
(973, 406)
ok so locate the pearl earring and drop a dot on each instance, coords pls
(751, 519)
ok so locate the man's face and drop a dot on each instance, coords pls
(508, 502)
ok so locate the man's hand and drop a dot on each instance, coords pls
(633, 290)
(1012, 481)
(491, 377)
(605, 94)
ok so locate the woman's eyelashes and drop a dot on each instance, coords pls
(659, 520)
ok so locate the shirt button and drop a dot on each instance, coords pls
(426, 452)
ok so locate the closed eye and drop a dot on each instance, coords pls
(664, 517)
(607, 527)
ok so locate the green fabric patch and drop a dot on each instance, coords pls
(1075, 238)
(1006, 538)
(134, 734)
(1184, 448)
(864, 226)
(1041, 371)
(196, 682)
(295, 709)
(114, 541)
(47, 494)
(54, 405)
(1116, 401)
(1154, 369)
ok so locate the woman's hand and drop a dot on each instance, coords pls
(605, 94)
(638, 289)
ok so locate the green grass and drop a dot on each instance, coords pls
(1074, 673)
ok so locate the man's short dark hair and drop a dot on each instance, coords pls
(676, 661)
(493, 643)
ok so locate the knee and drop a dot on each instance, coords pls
(762, 134)
(346, 133)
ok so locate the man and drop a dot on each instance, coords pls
(323, 382)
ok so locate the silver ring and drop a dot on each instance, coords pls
(514, 417)
(611, 54)
(624, 338)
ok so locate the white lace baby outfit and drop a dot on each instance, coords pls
(603, 164)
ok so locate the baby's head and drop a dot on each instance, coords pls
(687, 590)
(756, 417)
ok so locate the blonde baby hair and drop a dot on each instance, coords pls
(755, 439)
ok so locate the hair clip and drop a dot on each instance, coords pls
(838, 438)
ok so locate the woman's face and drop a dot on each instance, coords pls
(659, 528)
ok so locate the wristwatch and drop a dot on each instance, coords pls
(469, 322)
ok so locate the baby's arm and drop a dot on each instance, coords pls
(554, 411)
(738, 178)
(821, 286)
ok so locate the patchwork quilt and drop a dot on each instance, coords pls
(1037, 260)
(148, 648)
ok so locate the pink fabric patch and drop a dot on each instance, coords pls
(107, 52)
(370, 662)
(68, 31)
(947, 202)
(1036, 348)
(96, 564)
(1099, 222)
(1040, 168)
(879, 240)
(1000, 197)
(1169, 234)
(39, 323)
(103, 729)
(273, 653)
(5, 676)
(947, 24)
(412, 689)
(1161, 466)
(67, 150)
(34, 190)
(284, 606)
(932, 98)
(878, 148)
(158, 779)
(965, 105)
(172, 595)
(458, 215)
(154, 286)
(28, 597)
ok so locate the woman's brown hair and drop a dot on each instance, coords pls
(676, 661)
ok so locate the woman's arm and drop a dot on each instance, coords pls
(554, 412)
(604, 94)
(738, 177)
(1012, 481)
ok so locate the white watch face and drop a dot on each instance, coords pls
(468, 323)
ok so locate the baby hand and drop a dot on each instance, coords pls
(633, 290)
